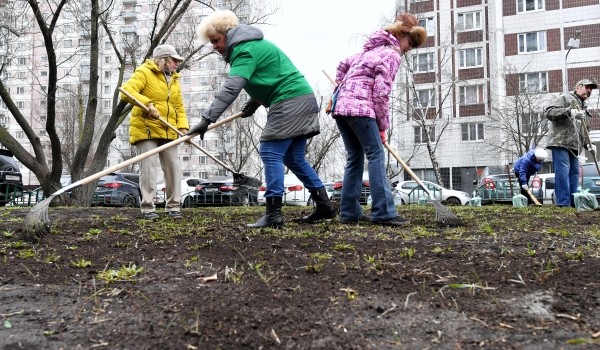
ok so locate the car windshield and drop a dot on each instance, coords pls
(589, 170)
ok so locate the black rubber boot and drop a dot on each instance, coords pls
(323, 208)
(272, 217)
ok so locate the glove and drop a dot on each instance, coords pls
(200, 128)
(525, 187)
(383, 136)
(249, 108)
(591, 148)
(578, 114)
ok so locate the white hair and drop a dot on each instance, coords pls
(217, 22)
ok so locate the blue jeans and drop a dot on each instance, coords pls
(288, 152)
(566, 176)
(361, 137)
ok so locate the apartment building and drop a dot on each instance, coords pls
(479, 84)
(26, 77)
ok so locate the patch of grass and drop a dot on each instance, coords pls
(343, 246)
(233, 274)
(27, 254)
(51, 258)
(81, 263)
(575, 256)
(7, 233)
(408, 252)
(124, 273)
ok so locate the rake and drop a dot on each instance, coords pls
(37, 223)
(443, 215)
(238, 178)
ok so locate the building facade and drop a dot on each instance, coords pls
(479, 85)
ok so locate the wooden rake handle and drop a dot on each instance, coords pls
(144, 107)
(407, 168)
(535, 201)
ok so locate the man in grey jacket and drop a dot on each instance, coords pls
(569, 120)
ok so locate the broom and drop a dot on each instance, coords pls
(239, 179)
(37, 223)
(443, 215)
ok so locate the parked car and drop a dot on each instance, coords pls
(542, 187)
(118, 190)
(222, 190)
(11, 183)
(188, 186)
(498, 188)
(411, 192)
(364, 195)
(590, 179)
(294, 192)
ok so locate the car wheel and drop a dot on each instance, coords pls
(129, 201)
(245, 201)
(187, 202)
(453, 201)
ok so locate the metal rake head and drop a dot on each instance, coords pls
(37, 223)
(444, 216)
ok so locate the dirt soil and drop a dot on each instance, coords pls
(509, 278)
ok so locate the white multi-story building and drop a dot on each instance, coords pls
(482, 59)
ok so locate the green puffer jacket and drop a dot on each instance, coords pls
(564, 131)
(148, 84)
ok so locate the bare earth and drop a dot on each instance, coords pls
(509, 278)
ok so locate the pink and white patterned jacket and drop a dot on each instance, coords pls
(366, 79)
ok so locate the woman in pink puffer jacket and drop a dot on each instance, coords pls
(362, 116)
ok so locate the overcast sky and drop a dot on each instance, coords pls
(317, 34)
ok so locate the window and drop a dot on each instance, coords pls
(533, 82)
(424, 98)
(44, 88)
(470, 58)
(472, 131)
(470, 95)
(21, 61)
(203, 96)
(20, 104)
(68, 28)
(107, 45)
(106, 59)
(107, 74)
(469, 21)
(20, 90)
(44, 73)
(203, 80)
(21, 75)
(43, 103)
(44, 58)
(428, 24)
(203, 175)
(421, 134)
(532, 42)
(107, 103)
(4, 120)
(20, 134)
(185, 158)
(107, 89)
(529, 5)
(423, 62)
(202, 159)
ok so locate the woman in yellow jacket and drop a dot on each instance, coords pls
(156, 84)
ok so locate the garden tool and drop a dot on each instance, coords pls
(443, 215)
(239, 179)
(37, 222)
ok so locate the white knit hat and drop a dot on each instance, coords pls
(541, 154)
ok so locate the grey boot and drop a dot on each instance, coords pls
(272, 217)
(323, 209)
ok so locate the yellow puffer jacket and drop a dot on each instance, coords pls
(148, 84)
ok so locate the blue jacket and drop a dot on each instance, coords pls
(526, 166)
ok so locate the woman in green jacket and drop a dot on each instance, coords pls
(156, 84)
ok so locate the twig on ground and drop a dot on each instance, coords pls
(506, 325)
(574, 318)
(12, 314)
(480, 321)
(275, 337)
(406, 301)
(388, 310)
(520, 280)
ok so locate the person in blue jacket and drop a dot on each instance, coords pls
(526, 166)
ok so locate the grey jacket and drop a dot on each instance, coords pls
(563, 130)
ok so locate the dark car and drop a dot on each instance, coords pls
(222, 191)
(118, 190)
(364, 195)
(498, 188)
(590, 179)
(11, 183)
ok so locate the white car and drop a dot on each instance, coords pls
(411, 192)
(188, 186)
(294, 192)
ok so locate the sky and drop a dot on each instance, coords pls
(317, 34)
